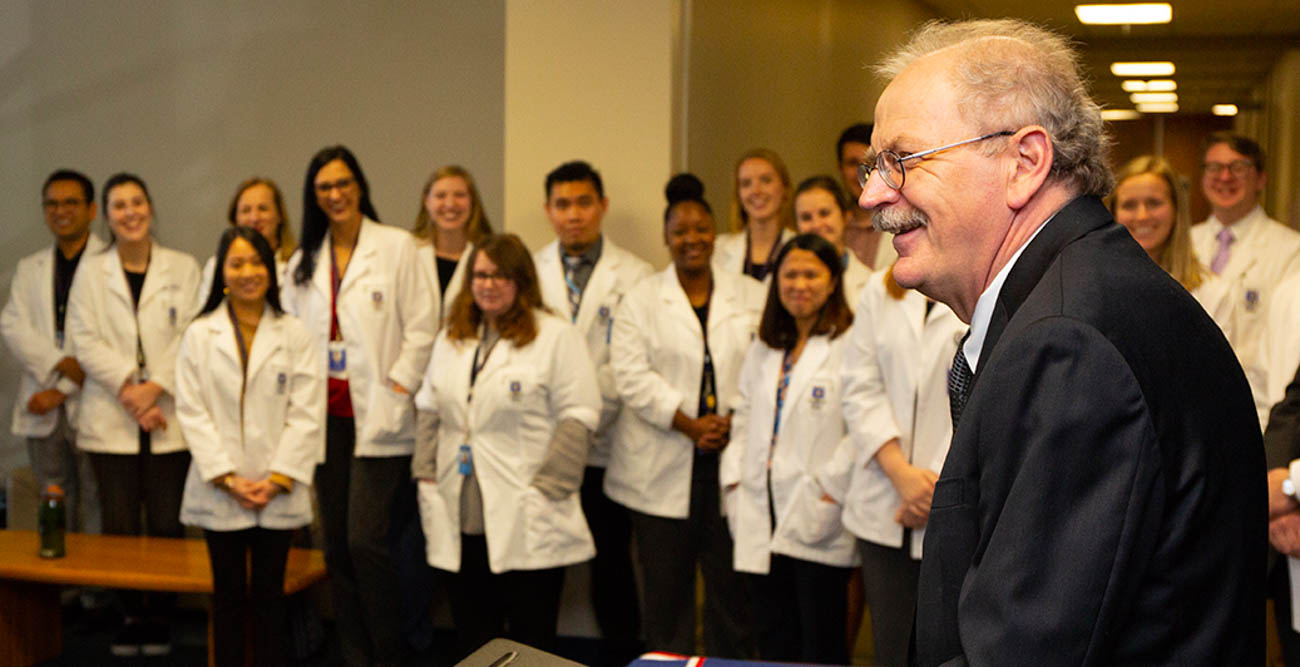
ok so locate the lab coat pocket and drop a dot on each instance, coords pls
(397, 412)
(544, 533)
(813, 520)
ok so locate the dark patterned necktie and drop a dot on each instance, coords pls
(571, 264)
(959, 382)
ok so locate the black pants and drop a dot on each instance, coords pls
(523, 605)
(799, 610)
(668, 551)
(366, 505)
(889, 580)
(248, 589)
(1279, 589)
(613, 586)
(148, 481)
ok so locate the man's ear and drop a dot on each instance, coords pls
(1031, 162)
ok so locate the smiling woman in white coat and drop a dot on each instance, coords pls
(678, 341)
(822, 208)
(507, 411)
(790, 453)
(127, 309)
(761, 218)
(451, 221)
(250, 397)
(895, 395)
(258, 203)
(358, 287)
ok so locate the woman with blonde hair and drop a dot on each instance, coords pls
(258, 203)
(1150, 200)
(451, 220)
(762, 217)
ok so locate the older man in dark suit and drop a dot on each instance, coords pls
(1103, 501)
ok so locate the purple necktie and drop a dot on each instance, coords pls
(1221, 256)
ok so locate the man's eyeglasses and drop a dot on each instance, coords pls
(56, 204)
(890, 164)
(1238, 168)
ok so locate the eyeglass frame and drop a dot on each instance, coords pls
(865, 168)
(1238, 168)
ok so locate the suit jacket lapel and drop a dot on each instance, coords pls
(1082, 215)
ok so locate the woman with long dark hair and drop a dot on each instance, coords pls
(250, 401)
(358, 287)
(127, 309)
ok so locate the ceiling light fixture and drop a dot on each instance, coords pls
(1162, 85)
(1130, 69)
(1128, 14)
(1134, 86)
(1221, 109)
(1120, 114)
(1158, 107)
(1145, 98)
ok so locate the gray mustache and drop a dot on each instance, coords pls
(897, 221)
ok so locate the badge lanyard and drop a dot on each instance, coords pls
(338, 355)
(465, 464)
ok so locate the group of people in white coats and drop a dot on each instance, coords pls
(456, 402)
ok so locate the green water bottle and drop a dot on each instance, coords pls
(51, 519)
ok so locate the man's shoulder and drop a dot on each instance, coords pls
(624, 258)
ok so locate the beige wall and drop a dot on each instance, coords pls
(788, 76)
(591, 80)
(1282, 198)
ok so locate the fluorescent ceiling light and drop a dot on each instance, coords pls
(1142, 69)
(1130, 14)
(1120, 114)
(1144, 98)
(1158, 107)
(1222, 109)
(1134, 86)
(1162, 85)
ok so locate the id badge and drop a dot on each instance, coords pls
(338, 354)
(465, 461)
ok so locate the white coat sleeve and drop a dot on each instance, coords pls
(418, 319)
(424, 460)
(162, 366)
(193, 410)
(732, 460)
(302, 442)
(573, 391)
(36, 352)
(643, 390)
(101, 362)
(867, 411)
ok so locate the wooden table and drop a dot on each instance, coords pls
(31, 621)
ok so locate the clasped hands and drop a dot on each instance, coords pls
(140, 401)
(250, 494)
(709, 433)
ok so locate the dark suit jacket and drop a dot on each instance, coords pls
(1103, 501)
(1282, 437)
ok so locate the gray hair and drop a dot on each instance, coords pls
(1009, 74)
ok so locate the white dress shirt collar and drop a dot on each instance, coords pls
(979, 321)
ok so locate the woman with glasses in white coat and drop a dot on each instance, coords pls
(678, 341)
(251, 403)
(507, 410)
(358, 286)
(895, 399)
(786, 470)
(450, 222)
(127, 309)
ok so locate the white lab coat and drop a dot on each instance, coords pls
(1282, 342)
(27, 324)
(616, 272)
(386, 316)
(657, 355)
(856, 275)
(729, 252)
(896, 362)
(812, 455)
(429, 261)
(520, 396)
(1264, 253)
(278, 425)
(210, 268)
(102, 324)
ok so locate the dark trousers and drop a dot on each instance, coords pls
(248, 589)
(613, 586)
(1279, 589)
(56, 460)
(889, 580)
(365, 507)
(130, 482)
(799, 610)
(668, 551)
(523, 605)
